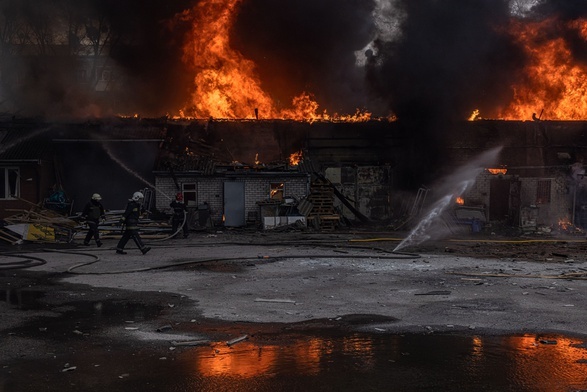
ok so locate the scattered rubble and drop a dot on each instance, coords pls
(42, 225)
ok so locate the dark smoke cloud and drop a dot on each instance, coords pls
(159, 81)
(454, 56)
(41, 63)
(450, 60)
(565, 9)
(308, 45)
(451, 57)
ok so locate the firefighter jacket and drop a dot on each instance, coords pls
(131, 215)
(93, 211)
(178, 208)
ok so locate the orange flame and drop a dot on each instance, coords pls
(295, 158)
(474, 116)
(460, 201)
(498, 170)
(226, 85)
(564, 224)
(553, 83)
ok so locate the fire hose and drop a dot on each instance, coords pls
(95, 258)
(28, 262)
(179, 228)
(227, 259)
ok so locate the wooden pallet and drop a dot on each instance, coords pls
(329, 222)
(323, 213)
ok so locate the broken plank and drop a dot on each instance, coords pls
(277, 300)
(436, 292)
(237, 340)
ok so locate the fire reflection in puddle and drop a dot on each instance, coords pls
(328, 359)
(391, 362)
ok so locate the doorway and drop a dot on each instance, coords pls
(234, 204)
(499, 199)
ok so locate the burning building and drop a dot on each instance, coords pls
(375, 96)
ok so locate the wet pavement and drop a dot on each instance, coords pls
(320, 356)
(289, 316)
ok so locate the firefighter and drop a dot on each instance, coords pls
(130, 219)
(180, 215)
(92, 214)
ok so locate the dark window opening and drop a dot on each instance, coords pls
(543, 192)
(190, 194)
(277, 190)
(9, 183)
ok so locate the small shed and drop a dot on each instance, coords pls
(232, 196)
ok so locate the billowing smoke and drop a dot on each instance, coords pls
(88, 58)
(424, 61)
(448, 59)
(308, 45)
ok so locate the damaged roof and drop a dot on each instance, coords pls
(23, 146)
(32, 140)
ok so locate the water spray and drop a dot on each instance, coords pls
(452, 187)
(128, 169)
(421, 232)
(115, 159)
(22, 139)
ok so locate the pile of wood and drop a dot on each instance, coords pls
(44, 217)
(9, 236)
(323, 214)
(37, 224)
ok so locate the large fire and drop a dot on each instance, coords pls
(226, 84)
(554, 83)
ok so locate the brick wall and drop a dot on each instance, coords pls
(211, 190)
(478, 194)
(560, 205)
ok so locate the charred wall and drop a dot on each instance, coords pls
(405, 157)
(526, 144)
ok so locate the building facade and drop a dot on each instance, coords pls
(232, 199)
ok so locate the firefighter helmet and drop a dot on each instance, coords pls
(179, 196)
(96, 196)
(137, 196)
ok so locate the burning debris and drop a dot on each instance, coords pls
(295, 158)
(565, 226)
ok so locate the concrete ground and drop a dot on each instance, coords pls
(468, 285)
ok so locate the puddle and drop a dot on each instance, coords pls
(320, 362)
(277, 357)
(22, 298)
(360, 362)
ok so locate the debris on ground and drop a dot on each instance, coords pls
(237, 340)
(37, 224)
